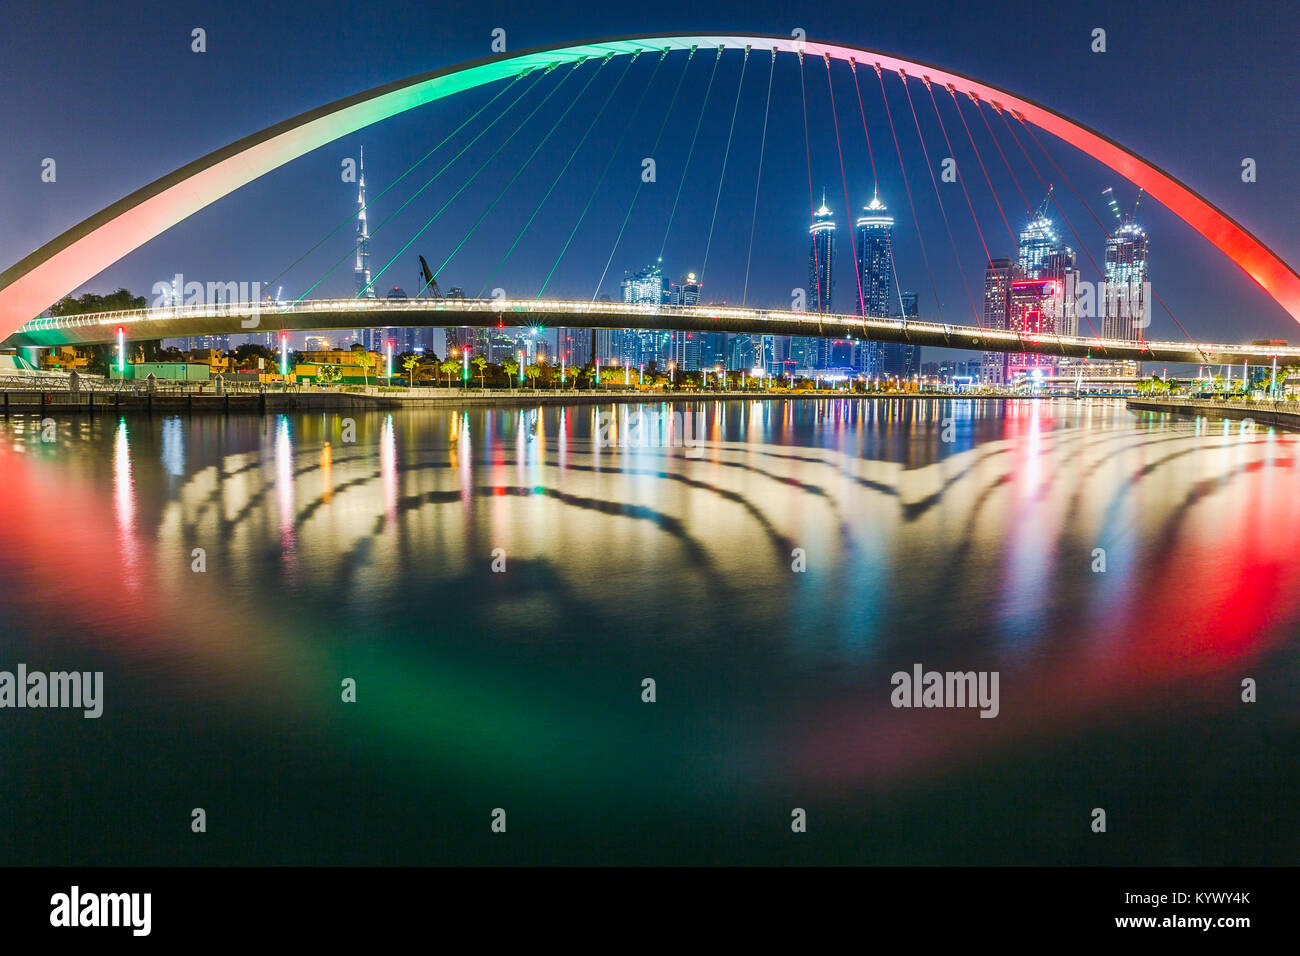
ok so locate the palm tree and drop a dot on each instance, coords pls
(532, 371)
(511, 368)
(480, 363)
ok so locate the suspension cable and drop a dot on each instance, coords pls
(409, 169)
(812, 209)
(641, 182)
(979, 109)
(438, 174)
(708, 244)
(961, 180)
(848, 207)
(980, 159)
(506, 188)
(758, 182)
(558, 176)
(690, 153)
(875, 180)
(500, 146)
(902, 168)
(636, 110)
(947, 225)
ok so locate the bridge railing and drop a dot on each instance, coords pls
(555, 308)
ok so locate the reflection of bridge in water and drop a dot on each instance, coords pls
(325, 314)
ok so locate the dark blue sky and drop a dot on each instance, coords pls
(114, 95)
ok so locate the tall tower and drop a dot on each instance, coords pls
(997, 292)
(808, 351)
(876, 265)
(875, 257)
(821, 260)
(1127, 293)
(362, 268)
(1039, 301)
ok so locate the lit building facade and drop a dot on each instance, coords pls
(998, 277)
(1127, 307)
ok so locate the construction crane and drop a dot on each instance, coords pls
(1120, 218)
(430, 283)
(1042, 209)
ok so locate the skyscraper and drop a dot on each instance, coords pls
(1127, 299)
(821, 261)
(361, 269)
(809, 351)
(876, 257)
(876, 269)
(1033, 307)
(1038, 302)
(645, 287)
(686, 292)
(876, 266)
(998, 277)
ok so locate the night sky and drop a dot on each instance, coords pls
(114, 94)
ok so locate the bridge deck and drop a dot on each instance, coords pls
(326, 314)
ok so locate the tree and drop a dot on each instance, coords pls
(328, 373)
(449, 367)
(409, 363)
(532, 371)
(366, 361)
(511, 368)
(480, 363)
(247, 354)
(119, 301)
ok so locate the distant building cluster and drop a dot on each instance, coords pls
(1039, 294)
(1035, 293)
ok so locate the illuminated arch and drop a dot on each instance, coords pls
(85, 250)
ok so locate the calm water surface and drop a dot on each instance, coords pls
(373, 560)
